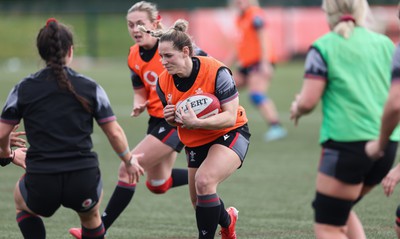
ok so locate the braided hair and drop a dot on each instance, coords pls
(54, 41)
(176, 34)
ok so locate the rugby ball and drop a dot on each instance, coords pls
(204, 105)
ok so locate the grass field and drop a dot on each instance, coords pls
(272, 190)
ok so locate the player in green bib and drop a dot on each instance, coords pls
(348, 70)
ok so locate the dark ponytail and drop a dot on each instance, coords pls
(54, 42)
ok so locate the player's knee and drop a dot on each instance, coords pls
(204, 183)
(258, 98)
(48, 213)
(330, 210)
(159, 188)
(122, 174)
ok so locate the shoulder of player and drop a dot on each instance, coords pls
(133, 51)
(163, 75)
(80, 78)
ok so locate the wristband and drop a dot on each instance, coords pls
(8, 160)
(124, 153)
(5, 161)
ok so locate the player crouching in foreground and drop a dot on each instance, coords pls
(58, 106)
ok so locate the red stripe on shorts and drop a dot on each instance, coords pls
(168, 135)
(234, 140)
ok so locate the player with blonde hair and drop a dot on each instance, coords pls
(353, 84)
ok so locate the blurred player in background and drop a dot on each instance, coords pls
(353, 84)
(255, 58)
(161, 144)
(215, 146)
(390, 119)
(58, 106)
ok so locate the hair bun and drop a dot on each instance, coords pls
(180, 25)
(50, 20)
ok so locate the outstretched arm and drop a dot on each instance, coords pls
(140, 102)
(308, 98)
(117, 138)
(391, 180)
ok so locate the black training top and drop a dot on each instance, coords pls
(57, 126)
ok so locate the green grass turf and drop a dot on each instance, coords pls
(273, 190)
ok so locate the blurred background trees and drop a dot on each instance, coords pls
(121, 5)
(100, 26)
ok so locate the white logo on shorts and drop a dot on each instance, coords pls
(192, 154)
(226, 136)
(162, 129)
